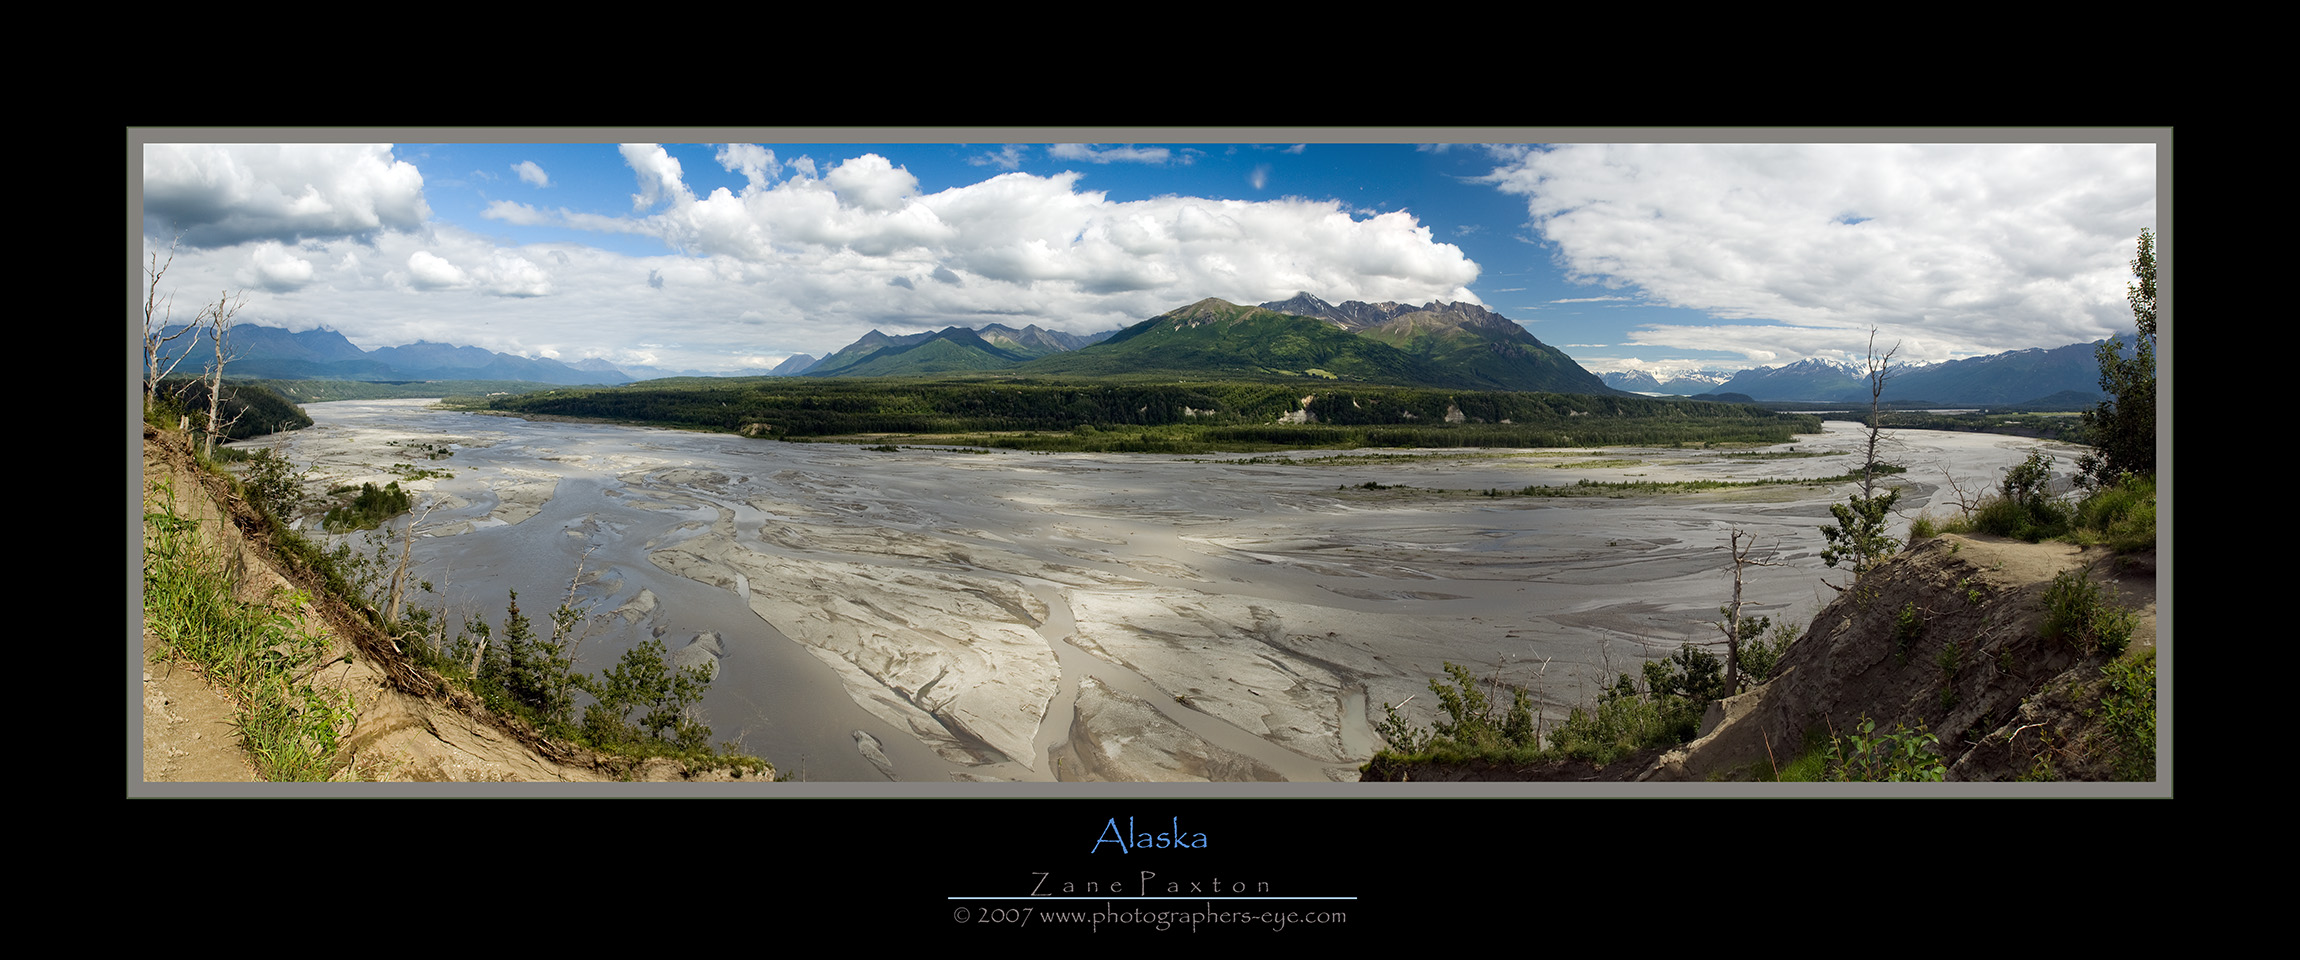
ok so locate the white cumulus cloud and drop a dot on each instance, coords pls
(1981, 244)
(430, 272)
(273, 268)
(222, 194)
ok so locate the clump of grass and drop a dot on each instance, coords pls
(2122, 516)
(1908, 627)
(259, 656)
(2077, 612)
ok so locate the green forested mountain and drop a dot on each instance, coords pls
(1486, 347)
(1222, 340)
(1449, 345)
(953, 350)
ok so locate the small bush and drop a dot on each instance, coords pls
(2023, 507)
(1473, 726)
(1908, 626)
(2077, 612)
(1760, 656)
(1902, 756)
(2122, 516)
(273, 483)
(2129, 709)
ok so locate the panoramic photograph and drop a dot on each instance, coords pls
(888, 467)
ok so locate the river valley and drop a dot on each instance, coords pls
(935, 614)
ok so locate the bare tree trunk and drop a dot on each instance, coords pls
(157, 312)
(220, 326)
(399, 573)
(1880, 370)
(1731, 623)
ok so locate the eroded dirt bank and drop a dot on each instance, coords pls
(1947, 635)
(408, 728)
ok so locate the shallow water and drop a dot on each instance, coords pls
(925, 597)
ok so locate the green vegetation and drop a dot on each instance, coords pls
(2128, 707)
(519, 671)
(2078, 613)
(1908, 628)
(644, 681)
(2023, 508)
(1641, 488)
(1858, 539)
(248, 409)
(369, 509)
(261, 657)
(2123, 428)
(1763, 644)
(2065, 427)
(1866, 756)
(2121, 516)
(265, 658)
(1130, 416)
(1661, 709)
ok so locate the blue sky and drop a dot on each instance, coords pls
(738, 252)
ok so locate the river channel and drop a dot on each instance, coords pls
(934, 614)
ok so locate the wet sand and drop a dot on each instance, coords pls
(1011, 616)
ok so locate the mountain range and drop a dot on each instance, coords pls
(273, 353)
(1435, 344)
(2059, 376)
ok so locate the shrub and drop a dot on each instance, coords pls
(2128, 707)
(274, 484)
(1472, 725)
(1858, 539)
(2023, 507)
(2123, 515)
(1902, 756)
(2077, 612)
(1908, 626)
(644, 681)
(1617, 727)
(1760, 656)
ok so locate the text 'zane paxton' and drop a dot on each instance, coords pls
(1131, 840)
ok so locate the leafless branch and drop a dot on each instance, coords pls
(158, 311)
(220, 319)
(1731, 624)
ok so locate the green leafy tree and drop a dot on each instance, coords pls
(537, 672)
(1859, 540)
(2123, 427)
(644, 681)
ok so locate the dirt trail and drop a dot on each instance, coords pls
(408, 729)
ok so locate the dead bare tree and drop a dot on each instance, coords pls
(1731, 622)
(1880, 370)
(158, 311)
(219, 319)
(399, 573)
